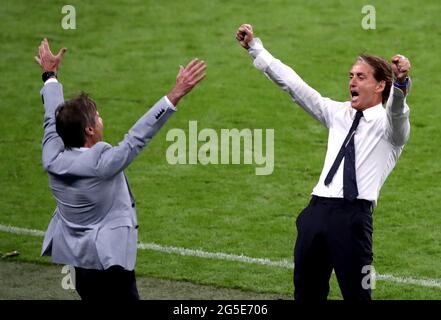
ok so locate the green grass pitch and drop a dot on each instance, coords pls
(126, 55)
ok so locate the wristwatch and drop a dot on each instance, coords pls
(48, 74)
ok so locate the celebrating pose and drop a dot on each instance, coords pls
(94, 227)
(365, 141)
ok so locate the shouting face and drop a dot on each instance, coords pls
(365, 91)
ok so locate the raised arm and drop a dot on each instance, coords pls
(116, 159)
(286, 78)
(104, 160)
(396, 107)
(52, 95)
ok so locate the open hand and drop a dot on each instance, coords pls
(46, 59)
(187, 79)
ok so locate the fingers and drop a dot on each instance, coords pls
(61, 53)
(192, 74)
(187, 79)
(41, 50)
(400, 66)
(199, 79)
(46, 46)
(400, 59)
(198, 74)
(405, 63)
(46, 59)
(191, 64)
(246, 28)
(181, 69)
(244, 31)
(398, 56)
(194, 65)
(404, 68)
(44, 49)
(395, 58)
(244, 35)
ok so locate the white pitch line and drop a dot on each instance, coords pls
(17, 230)
(431, 283)
(216, 255)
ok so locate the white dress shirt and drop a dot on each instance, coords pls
(379, 139)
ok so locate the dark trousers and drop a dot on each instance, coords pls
(333, 234)
(110, 284)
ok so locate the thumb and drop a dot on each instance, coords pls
(181, 68)
(61, 53)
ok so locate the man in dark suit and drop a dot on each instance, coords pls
(364, 144)
(94, 226)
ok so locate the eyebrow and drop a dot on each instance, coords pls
(358, 73)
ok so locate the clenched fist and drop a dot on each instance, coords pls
(244, 35)
(400, 67)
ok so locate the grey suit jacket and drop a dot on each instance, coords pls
(94, 225)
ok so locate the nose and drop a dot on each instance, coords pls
(352, 82)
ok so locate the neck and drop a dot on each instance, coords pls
(370, 106)
(89, 143)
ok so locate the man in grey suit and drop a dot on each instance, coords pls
(94, 226)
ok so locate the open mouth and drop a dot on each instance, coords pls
(354, 96)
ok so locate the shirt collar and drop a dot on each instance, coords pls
(82, 149)
(371, 113)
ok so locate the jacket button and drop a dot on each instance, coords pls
(133, 205)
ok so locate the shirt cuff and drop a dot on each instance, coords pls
(263, 60)
(51, 80)
(255, 47)
(170, 105)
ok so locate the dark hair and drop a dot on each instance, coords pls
(382, 72)
(73, 117)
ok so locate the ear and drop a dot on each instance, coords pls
(380, 86)
(89, 131)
